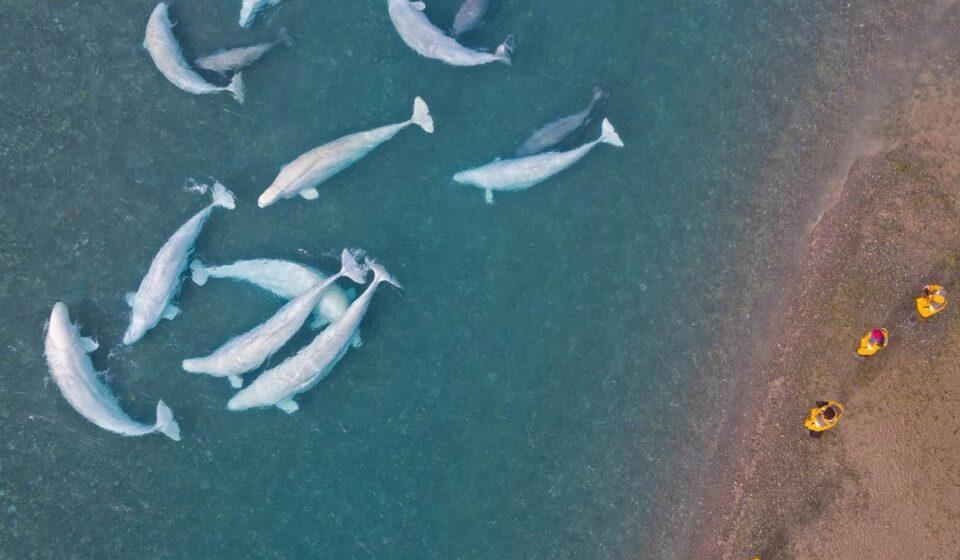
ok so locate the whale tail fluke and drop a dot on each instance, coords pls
(504, 51)
(198, 272)
(380, 274)
(284, 37)
(165, 422)
(421, 115)
(223, 197)
(598, 94)
(608, 135)
(235, 87)
(351, 267)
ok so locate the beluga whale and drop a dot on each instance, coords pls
(552, 133)
(248, 351)
(469, 16)
(167, 56)
(250, 8)
(231, 60)
(152, 300)
(525, 172)
(71, 369)
(300, 372)
(302, 175)
(429, 41)
(284, 279)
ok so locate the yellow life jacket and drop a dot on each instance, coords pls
(824, 417)
(869, 347)
(933, 301)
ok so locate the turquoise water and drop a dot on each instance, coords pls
(516, 400)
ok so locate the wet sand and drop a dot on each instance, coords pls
(869, 214)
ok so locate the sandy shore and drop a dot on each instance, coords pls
(871, 215)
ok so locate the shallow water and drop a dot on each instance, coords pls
(513, 401)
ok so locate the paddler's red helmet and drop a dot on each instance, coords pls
(877, 335)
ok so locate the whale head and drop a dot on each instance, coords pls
(138, 327)
(241, 401)
(60, 332)
(268, 197)
(463, 177)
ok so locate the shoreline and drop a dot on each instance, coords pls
(835, 260)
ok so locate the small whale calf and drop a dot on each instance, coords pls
(152, 300)
(302, 175)
(525, 172)
(233, 59)
(165, 52)
(300, 372)
(469, 16)
(284, 279)
(250, 8)
(248, 351)
(80, 384)
(429, 41)
(557, 131)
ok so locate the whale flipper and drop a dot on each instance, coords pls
(129, 297)
(89, 344)
(235, 381)
(170, 311)
(418, 6)
(310, 194)
(488, 196)
(288, 406)
(356, 342)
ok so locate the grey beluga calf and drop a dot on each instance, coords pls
(552, 133)
(469, 16)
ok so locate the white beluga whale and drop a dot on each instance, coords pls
(429, 41)
(302, 175)
(284, 279)
(72, 370)
(525, 172)
(165, 52)
(551, 134)
(250, 8)
(300, 372)
(469, 16)
(152, 300)
(248, 351)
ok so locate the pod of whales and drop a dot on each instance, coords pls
(307, 291)
(284, 279)
(248, 351)
(279, 385)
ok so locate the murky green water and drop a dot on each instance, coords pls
(514, 401)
